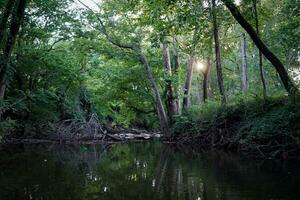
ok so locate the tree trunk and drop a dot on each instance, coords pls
(205, 79)
(159, 105)
(261, 69)
(171, 105)
(244, 63)
(176, 75)
(218, 52)
(2, 87)
(16, 21)
(189, 74)
(286, 80)
(188, 82)
(4, 20)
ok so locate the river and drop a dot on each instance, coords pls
(146, 171)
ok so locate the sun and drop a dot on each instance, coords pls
(200, 66)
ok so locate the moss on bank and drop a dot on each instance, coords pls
(262, 128)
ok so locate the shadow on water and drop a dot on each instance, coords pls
(140, 171)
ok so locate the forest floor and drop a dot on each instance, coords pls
(267, 128)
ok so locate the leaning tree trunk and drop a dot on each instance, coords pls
(261, 69)
(218, 52)
(171, 104)
(16, 21)
(163, 119)
(286, 80)
(244, 63)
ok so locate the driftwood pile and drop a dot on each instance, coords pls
(92, 130)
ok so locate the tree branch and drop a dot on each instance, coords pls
(103, 30)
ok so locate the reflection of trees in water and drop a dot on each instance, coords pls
(135, 171)
(84, 156)
(174, 181)
(46, 171)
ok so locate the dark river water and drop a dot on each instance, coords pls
(145, 171)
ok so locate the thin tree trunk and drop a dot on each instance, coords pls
(171, 105)
(188, 82)
(176, 74)
(205, 80)
(286, 80)
(244, 63)
(199, 95)
(189, 75)
(218, 52)
(261, 69)
(16, 21)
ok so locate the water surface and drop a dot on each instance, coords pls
(140, 171)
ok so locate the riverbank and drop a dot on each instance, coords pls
(267, 128)
(71, 131)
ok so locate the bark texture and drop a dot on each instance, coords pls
(286, 80)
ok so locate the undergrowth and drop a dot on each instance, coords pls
(267, 128)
